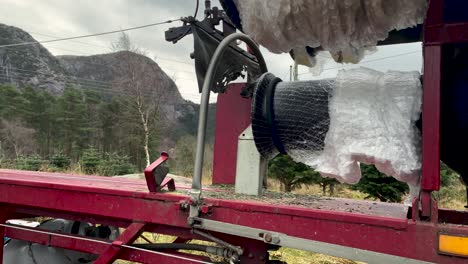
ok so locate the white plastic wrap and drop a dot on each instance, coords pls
(372, 120)
(343, 27)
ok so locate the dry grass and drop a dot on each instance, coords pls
(452, 197)
(291, 256)
(294, 256)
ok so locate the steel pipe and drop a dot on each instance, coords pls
(201, 134)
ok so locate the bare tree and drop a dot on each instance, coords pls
(17, 137)
(142, 86)
(124, 43)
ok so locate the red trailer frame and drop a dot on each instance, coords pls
(382, 233)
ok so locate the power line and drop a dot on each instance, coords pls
(95, 86)
(100, 46)
(110, 91)
(89, 35)
(42, 73)
(76, 41)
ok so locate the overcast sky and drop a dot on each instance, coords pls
(65, 18)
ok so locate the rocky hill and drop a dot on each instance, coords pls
(35, 66)
(31, 65)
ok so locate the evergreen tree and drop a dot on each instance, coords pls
(378, 185)
(72, 122)
(291, 174)
(10, 102)
(38, 115)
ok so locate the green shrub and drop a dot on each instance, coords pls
(31, 163)
(90, 160)
(115, 164)
(380, 186)
(60, 161)
(291, 174)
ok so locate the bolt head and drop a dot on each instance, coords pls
(268, 237)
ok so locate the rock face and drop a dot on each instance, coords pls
(29, 65)
(33, 65)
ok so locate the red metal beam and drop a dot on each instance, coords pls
(446, 33)
(127, 237)
(3, 218)
(94, 246)
(435, 13)
(431, 119)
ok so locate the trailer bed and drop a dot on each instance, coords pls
(364, 226)
(135, 186)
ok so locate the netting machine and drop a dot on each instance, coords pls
(245, 228)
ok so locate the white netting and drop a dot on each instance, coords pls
(372, 120)
(346, 28)
(301, 117)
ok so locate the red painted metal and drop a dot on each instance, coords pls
(435, 13)
(3, 218)
(378, 227)
(431, 119)
(432, 51)
(153, 186)
(388, 231)
(446, 33)
(127, 237)
(95, 246)
(232, 117)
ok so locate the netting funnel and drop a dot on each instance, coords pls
(290, 116)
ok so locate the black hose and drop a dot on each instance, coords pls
(172, 246)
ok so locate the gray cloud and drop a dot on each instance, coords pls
(64, 18)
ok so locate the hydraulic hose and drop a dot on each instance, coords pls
(172, 246)
(205, 97)
(218, 251)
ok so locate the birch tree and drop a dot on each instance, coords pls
(141, 88)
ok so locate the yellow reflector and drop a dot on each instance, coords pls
(454, 245)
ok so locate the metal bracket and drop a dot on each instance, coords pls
(155, 175)
(280, 239)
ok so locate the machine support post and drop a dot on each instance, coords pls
(430, 180)
(132, 232)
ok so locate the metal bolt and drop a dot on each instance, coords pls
(276, 240)
(267, 237)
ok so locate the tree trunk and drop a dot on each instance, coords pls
(146, 139)
(146, 146)
(324, 189)
(332, 189)
(287, 188)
